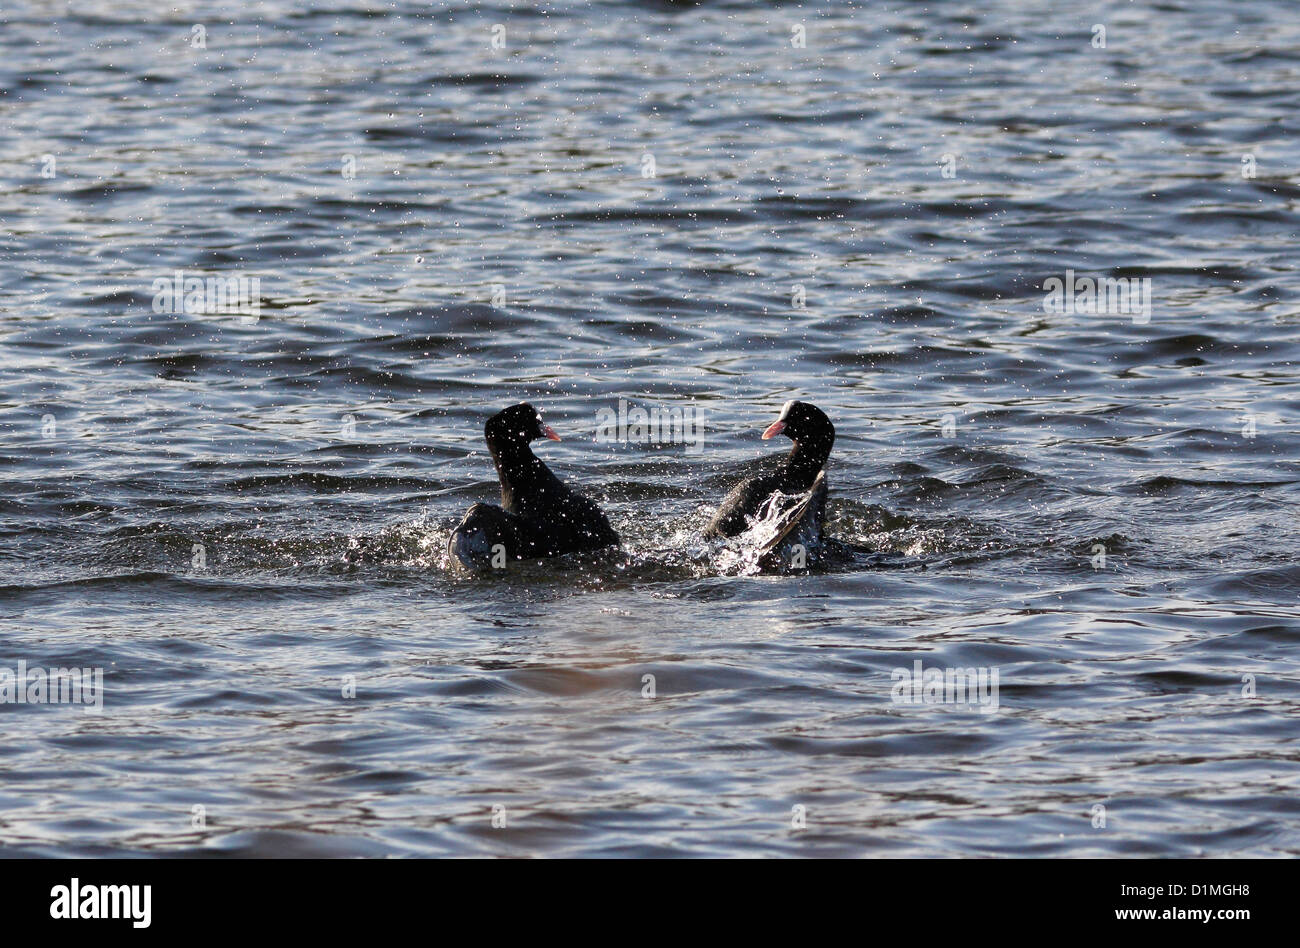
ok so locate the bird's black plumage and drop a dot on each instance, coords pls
(813, 436)
(539, 516)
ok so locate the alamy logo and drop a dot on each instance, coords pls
(103, 901)
(919, 685)
(36, 685)
(660, 424)
(209, 296)
(1104, 296)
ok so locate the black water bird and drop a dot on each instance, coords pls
(539, 516)
(789, 503)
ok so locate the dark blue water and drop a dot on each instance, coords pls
(232, 517)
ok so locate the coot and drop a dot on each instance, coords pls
(539, 516)
(785, 506)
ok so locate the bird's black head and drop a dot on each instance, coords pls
(802, 423)
(517, 424)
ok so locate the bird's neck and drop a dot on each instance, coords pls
(516, 465)
(805, 461)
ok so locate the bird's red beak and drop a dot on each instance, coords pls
(550, 432)
(774, 429)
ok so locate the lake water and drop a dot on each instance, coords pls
(439, 210)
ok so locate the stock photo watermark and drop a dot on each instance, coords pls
(77, 900)
(977, 686)
(196, 295)
(1098, 296)
(658, 425)
(38, 685)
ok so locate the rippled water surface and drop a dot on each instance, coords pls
(720, 206)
